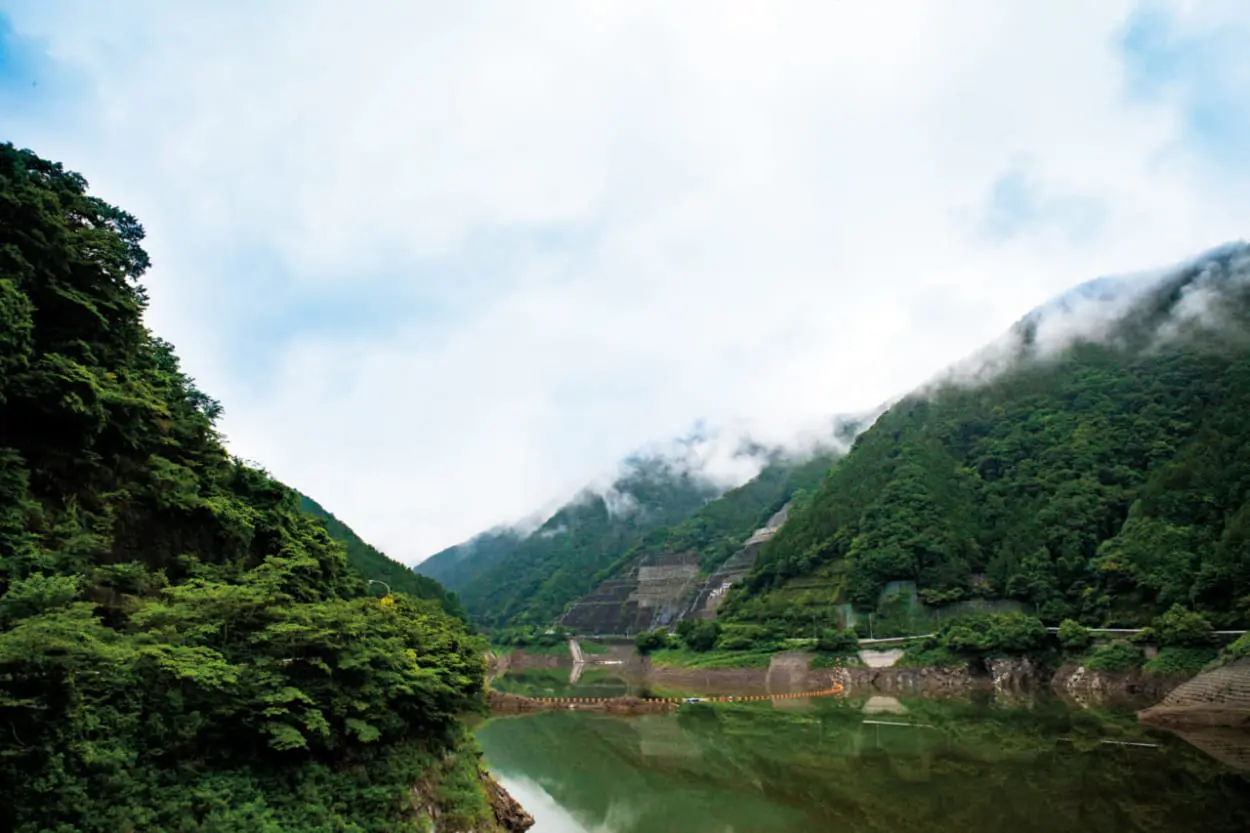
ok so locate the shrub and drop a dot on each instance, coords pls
(1179, 662)
(649, 641)
(699, 634)
(929, 654)
(1237, 650)
(1009, 633)
(1183, 628)
(1118, 656)
(1073, 635)
(746, 638)
(837, 641)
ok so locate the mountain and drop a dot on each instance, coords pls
(661, 502)
(182, 648)
(377, 566)
(680, 571)
(507, 577)
(1100, 470)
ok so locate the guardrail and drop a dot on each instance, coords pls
(729, 698)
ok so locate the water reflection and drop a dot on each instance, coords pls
(879, 764)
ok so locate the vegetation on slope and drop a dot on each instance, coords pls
(718, 529)
(181, 648)
(506, 578)
(377, 566)
(1104, 484)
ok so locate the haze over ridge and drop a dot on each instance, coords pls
(444, 264)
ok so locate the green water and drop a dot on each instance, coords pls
(856, 765)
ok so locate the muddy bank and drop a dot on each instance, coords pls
(791, 671)
(516, 704)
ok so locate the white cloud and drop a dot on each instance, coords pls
(607, 219)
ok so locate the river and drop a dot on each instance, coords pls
(864, 763)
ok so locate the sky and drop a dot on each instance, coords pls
(444, 263)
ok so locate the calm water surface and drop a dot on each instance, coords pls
(868, 765)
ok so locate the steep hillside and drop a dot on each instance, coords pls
(377, 566)
(1105, 479)
(506, 577)
(674, 569)
(181, 648)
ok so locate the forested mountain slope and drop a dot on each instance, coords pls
(507, 577)
(181, 648)
(377, 566)
(1103, 481)
(661, 579)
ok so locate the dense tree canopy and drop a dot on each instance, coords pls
(1105, 483)
(508, 578)
(376, 565)
(181, 647)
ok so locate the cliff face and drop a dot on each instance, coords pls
(504, 814)
(1082, 684)
(510, 816)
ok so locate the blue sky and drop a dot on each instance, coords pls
(445, 263)
(1204, 74)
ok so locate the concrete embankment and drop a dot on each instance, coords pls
(1220, 697)
(791, 671)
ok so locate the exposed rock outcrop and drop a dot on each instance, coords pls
(506, 813)
(510, 816)
(1087, 685)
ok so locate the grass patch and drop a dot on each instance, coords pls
(1179, 662)
(685, 658)
(1116, 656)
(592, 647)
(926, 655)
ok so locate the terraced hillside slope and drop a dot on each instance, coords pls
(661, 589)
(657, 519)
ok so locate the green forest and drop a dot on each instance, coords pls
(507, 579)
(181, 647)
(1103, 484)
(378, 566)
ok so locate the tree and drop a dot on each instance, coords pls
(649, 641)
(181, 647)
(837, 641)
(699, 634)
(1073, 635)
(1179, 627)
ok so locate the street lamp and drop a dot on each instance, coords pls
(384, 584)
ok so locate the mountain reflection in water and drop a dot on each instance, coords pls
(878, 764)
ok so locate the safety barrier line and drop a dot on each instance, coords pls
(837, 689)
